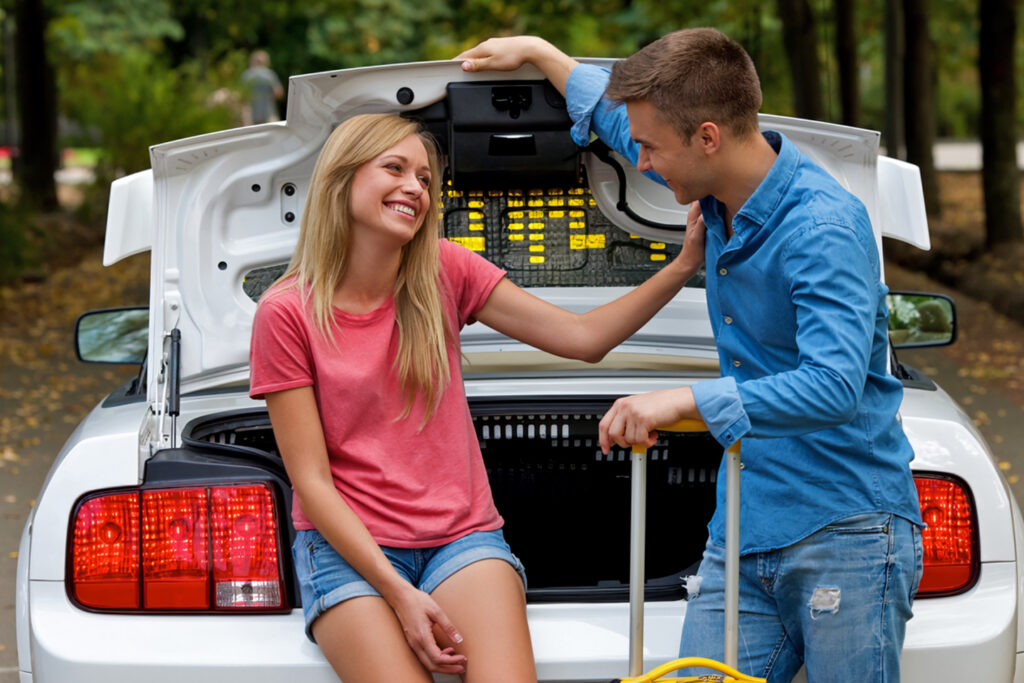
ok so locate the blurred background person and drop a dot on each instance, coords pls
(263, 89)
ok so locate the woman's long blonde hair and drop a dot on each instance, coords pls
(322, 253)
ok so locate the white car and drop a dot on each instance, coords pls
(158, 549)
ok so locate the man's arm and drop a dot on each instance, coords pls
(582, 85)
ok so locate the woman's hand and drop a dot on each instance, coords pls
(419, 615)
(691, 258)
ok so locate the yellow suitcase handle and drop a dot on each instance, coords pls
(729, 673)
(684, 425)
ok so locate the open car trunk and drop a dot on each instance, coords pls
(565, 504)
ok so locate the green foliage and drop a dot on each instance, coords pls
(117, 83)
(134, 100)
(954, 28)
(153, 64)
(379, 32)
(86, 29)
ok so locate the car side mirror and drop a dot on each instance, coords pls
(919, 319)
(114, 335)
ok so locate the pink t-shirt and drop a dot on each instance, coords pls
(412, 488)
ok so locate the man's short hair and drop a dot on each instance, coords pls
(692, 76)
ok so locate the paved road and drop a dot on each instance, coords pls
(965, 155)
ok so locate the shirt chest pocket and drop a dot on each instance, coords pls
(757, 310)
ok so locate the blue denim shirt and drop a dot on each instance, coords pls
(798, 311)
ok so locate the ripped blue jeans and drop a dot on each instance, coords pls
(837, 601)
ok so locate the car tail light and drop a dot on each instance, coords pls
(194, 549)
(105, 552)
(951, 537)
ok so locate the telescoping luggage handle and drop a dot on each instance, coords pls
(638, 528)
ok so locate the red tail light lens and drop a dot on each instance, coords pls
(189, 549)
(950, 540)
(175, 550)
(105, 552)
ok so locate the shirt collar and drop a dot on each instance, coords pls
(763, 202)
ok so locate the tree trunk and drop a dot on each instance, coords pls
(37, 107)
(846, 60)
(1000, 175)
(894, 56)
(800, 37)
(919, 99)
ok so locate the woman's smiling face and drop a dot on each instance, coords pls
(390, 193)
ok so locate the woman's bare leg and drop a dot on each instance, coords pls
(486, 602)
(363, 641)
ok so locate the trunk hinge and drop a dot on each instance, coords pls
(157, 434)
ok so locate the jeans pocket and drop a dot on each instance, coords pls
(303, 552)
(872, 523)
(918, 560)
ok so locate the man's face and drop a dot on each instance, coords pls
(682, 163)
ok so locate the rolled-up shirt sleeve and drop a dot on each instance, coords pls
(719, 403)
(584, 91)
(593, 113)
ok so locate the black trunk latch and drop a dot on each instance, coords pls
(511, 99)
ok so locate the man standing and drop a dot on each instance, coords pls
(830, 541)
(263, 87)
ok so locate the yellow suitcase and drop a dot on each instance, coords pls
(638, 522)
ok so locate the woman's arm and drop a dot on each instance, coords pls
(300, 439)
(589, 336)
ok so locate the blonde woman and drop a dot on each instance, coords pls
(399, 552)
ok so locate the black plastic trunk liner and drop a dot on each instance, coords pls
(566, 504)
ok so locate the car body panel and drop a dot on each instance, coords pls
(22, 587)
(129, 217)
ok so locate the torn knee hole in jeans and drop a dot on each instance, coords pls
(824, 600)
(692, 585)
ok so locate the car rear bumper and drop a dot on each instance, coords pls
(966, 637)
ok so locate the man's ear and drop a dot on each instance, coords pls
(709, 137)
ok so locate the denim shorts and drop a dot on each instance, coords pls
(325, 579)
